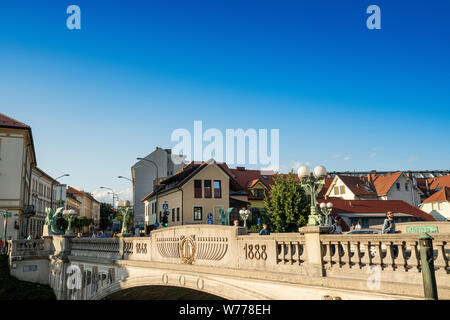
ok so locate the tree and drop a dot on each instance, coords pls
(106, 212)
(287, 206)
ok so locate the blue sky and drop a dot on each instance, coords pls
(340, 94)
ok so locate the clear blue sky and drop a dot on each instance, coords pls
(341, 95)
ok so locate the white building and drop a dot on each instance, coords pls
(40, 197)
(438, 204)
(144, 174)
(393, 186)
(17, 157)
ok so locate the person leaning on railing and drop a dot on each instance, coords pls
(389, 227)
(336, 229)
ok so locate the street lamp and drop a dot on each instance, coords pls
(326, 209)
(156, 191)
(114, 195)
(312, 184)
(70, 214)
(245, 214)
(125, 178)
(51, 197)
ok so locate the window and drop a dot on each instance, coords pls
(207, 188)
(258, 192)
(178, 214)
(342, 189)
(398, 186)
(217, 189)
(336, 190)
(406, 186)
(173, 214)
(198, 213)
(197, 188)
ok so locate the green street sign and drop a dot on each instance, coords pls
(422, 229)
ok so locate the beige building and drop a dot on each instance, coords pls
(17, 158)
(192, 194)
(86, 204)
(40, 197)
(438, 204)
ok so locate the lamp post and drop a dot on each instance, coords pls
(70, 214)
(114, 195)
(5, 224)
(245, 214)
(156, 189)
(326, 209)
(51, 197)
(312, 184)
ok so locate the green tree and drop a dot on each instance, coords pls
(106, 212)
(287, 206)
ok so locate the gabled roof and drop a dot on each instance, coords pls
(187, 173)
(72, 190)
(8, 122)
(247, 178)
(358, 185)
(383, 183)
(441, 195)
(377, 206)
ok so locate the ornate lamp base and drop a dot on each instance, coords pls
(314, 220)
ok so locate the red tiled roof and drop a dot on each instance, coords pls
(438, 196)
(248, 176)
(74, 191)
(377, 206)
(442, 181)
(6, 121)
(383, 183)
(358, 185)
(325, 187)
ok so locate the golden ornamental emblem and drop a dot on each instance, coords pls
(188, 248)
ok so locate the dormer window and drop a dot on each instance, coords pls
(259, 192)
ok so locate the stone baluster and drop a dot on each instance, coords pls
(414, 259)
(389, 259)
(291, 245)
(441, 261)
(403, 256)
(378, 258)
(347, 255)
(358, 255)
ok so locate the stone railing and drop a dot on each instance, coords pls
(28, 248)
(388, 251)
(284, 252)
(96, 247)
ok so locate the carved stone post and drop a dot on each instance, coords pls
(314, 254)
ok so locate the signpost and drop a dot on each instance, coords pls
(210, 218)
(165, 206)
(422, 229)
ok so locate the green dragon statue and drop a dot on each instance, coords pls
(224, 216)
(51, 218)
(125, 214)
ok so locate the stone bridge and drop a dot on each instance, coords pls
(228, 263)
